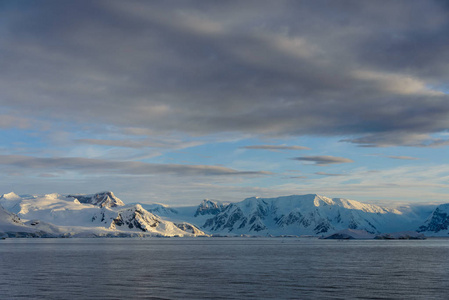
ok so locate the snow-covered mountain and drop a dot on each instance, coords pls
(10, 221)
(297, 215)
(10, 201)
(103, 214)
(12, 226)
(437, 224)
(307, 214)
(103, 199)
(100, 214)
(209, 207)
(160, 209)
(192, 214)
(136, 218)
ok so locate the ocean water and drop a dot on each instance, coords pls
(223, 268)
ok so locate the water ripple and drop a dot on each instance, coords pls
(222, 269)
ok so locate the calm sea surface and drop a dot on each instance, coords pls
(223, 268)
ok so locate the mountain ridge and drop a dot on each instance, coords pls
(104, 214)
(100, 214)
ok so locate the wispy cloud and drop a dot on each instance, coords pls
(435, 143)
(298, 177)
(329, 174)
(143, 143)
(400, 157)
(406, 183)
(403, 157)
(324, 160)
(390, 139)
(275, 147)
(99, 166)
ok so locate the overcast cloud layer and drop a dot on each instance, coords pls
(372, 71)
(94, 93)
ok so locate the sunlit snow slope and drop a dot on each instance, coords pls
(103, 214)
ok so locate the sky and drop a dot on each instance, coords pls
(177, 101)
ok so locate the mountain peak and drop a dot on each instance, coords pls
(209, 207)
(102, 199)
(10, 196)
(305, 214)
(438, 220)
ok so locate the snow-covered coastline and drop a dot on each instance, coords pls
(105, 215)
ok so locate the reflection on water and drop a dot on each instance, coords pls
(223, 268)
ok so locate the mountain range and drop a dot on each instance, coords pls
(104, 214)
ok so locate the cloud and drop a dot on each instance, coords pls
(100, 166)
(329, 174)
(398, 138)
(128, 143)
(298, 177)
(324, 160)
(276, 147)
(397, 83)
(11, 121)
(435, 143)
(46, 175)
(403, 157)
(410, 183)
(254, 68)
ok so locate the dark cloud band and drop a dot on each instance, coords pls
(324, 160)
